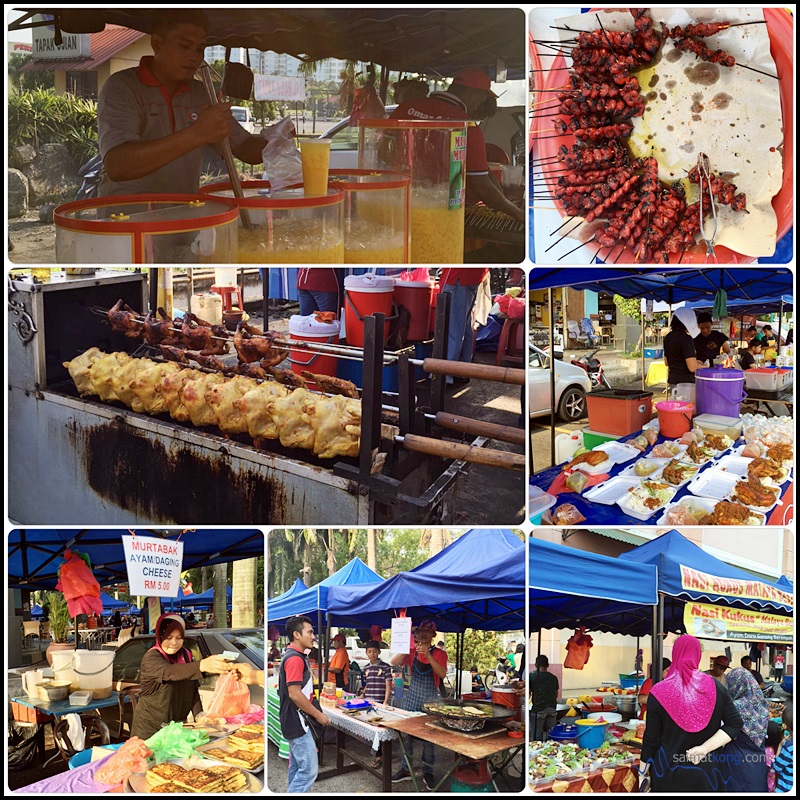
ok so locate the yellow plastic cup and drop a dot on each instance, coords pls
(339, 692)
(315, 155)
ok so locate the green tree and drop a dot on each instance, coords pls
(481, 648)
(27, 81)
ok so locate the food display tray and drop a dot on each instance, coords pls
(643, 515)
(223, 745)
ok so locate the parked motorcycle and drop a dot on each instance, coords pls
(594, 369)
(502, 674)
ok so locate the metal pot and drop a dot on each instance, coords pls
(626, 704)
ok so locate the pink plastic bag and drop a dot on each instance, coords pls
(419, 275)
(130, 758)
(366, 105)
(253, 715)
(79, 587)
(231, 697)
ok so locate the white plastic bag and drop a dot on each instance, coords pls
(282, 164)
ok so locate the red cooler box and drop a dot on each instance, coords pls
(619, 411)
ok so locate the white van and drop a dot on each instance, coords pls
(243, 116)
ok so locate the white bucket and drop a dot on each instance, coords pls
(208, 307)
(225, 276)
(62, 667)
(32, 677)
(94, 671)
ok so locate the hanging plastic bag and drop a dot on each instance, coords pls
(282, 164)
(578, 648)
(419, 275)
(231, 697)
(79, 587)
(366, 105)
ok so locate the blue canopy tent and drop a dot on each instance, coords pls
(37, 612)
(297, 586)
(476, 582)
(686, 572)
(569, 587)
(206, 599)
(111, 603)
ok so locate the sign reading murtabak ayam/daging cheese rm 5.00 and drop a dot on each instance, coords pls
(154, 565)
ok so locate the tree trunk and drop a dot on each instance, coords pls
(330, 556)
(372, 562)
(438, 542)
(203, 578)
(220, 604)
(243, 614)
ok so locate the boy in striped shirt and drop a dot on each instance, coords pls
(377, 685)
(783, 765)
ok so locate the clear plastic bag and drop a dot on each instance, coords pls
(282, 164)
(130, 758)
(231, 697)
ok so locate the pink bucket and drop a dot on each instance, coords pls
(674, 418)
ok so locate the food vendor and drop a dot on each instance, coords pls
(718, 667)
(340, 663)
(768, 337)
(428, 667)
(709, 344)
(747, 357)
(463, 285)
(170, 679)
(647, 686)
(680, 353)
(155, 120)
(319, 289)
(468, 91)
(477, 682)
(543, 687)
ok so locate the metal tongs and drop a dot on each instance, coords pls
(705, 180)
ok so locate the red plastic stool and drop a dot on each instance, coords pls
(228, 293)
(512, 342)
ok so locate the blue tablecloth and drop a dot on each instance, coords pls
(62, 707)
(600, 514)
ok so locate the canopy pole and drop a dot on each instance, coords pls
(780, 322)
(551, 309)
(264, 272)
(319, 659)
(636, 662)
(643, 344)
(658, 640)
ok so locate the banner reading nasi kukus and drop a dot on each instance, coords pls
(696, 581)
(736, 624)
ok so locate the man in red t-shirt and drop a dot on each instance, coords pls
(467, 92)
(318, 289)
(295, 691)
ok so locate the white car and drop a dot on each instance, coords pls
(244, 117)
(572, 386)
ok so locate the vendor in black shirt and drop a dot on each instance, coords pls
(710, 344)
(747, 357)
(680, 353)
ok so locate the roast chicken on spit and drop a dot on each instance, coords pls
(254, 345)
(125, 320)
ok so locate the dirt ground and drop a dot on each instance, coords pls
(33, 242)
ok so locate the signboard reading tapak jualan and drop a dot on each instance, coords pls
(154, 565)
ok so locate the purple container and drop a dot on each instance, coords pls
(719, 391)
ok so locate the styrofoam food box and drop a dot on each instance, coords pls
(643, 515)
(610, 491)
(598, 469)
(705, 503)
(619, 452)
(714, 483)
(629, 471)
(687, 479)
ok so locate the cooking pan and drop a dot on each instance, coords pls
(455, 720)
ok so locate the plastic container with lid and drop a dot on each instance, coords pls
(376, 215)
(308, 329)
(619, 411)
(147, 229)
(208, 307)
(563, 733)
(287, 226)
(538, 502)
(415, 297)
(719, 424)
(433, 153)
(364, 295)
(767, 379)
(593, 438)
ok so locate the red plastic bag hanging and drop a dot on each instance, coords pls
(79, 587)
(578, 648)
(366, 105)
(231, 697)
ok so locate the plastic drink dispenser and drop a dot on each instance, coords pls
(364, 295)
(287, 227)
(433, 154)
(308, 329)
(147, 229)
(376, 215)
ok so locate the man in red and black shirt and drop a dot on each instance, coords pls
(155, 120)
(467, 92)
(295, 691)
(319, 289)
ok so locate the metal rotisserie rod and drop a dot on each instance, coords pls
(462, 452)
(491, 430)
(463, 369)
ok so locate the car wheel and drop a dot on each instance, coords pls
(572, 405)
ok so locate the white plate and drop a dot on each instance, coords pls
(629, 471)
(618, 452)
(714, 483)
(705, 503)
(631, 512)
(610, 491)
(599, 469)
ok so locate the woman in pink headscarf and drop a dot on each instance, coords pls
(170, 678)
(690, 717)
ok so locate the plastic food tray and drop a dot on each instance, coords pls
(705, 503)
(612, 490)
(632, 512)
(630, 470)
(599, 469)
(619, 452)
(538, 502)
(714, 483)
(688, 479)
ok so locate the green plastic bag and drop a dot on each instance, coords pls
(175, 741)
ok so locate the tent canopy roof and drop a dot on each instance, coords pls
(34, 556)
(412, 39)
(476, 582)
(315, 598)
(673, 285)
(570, 587)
